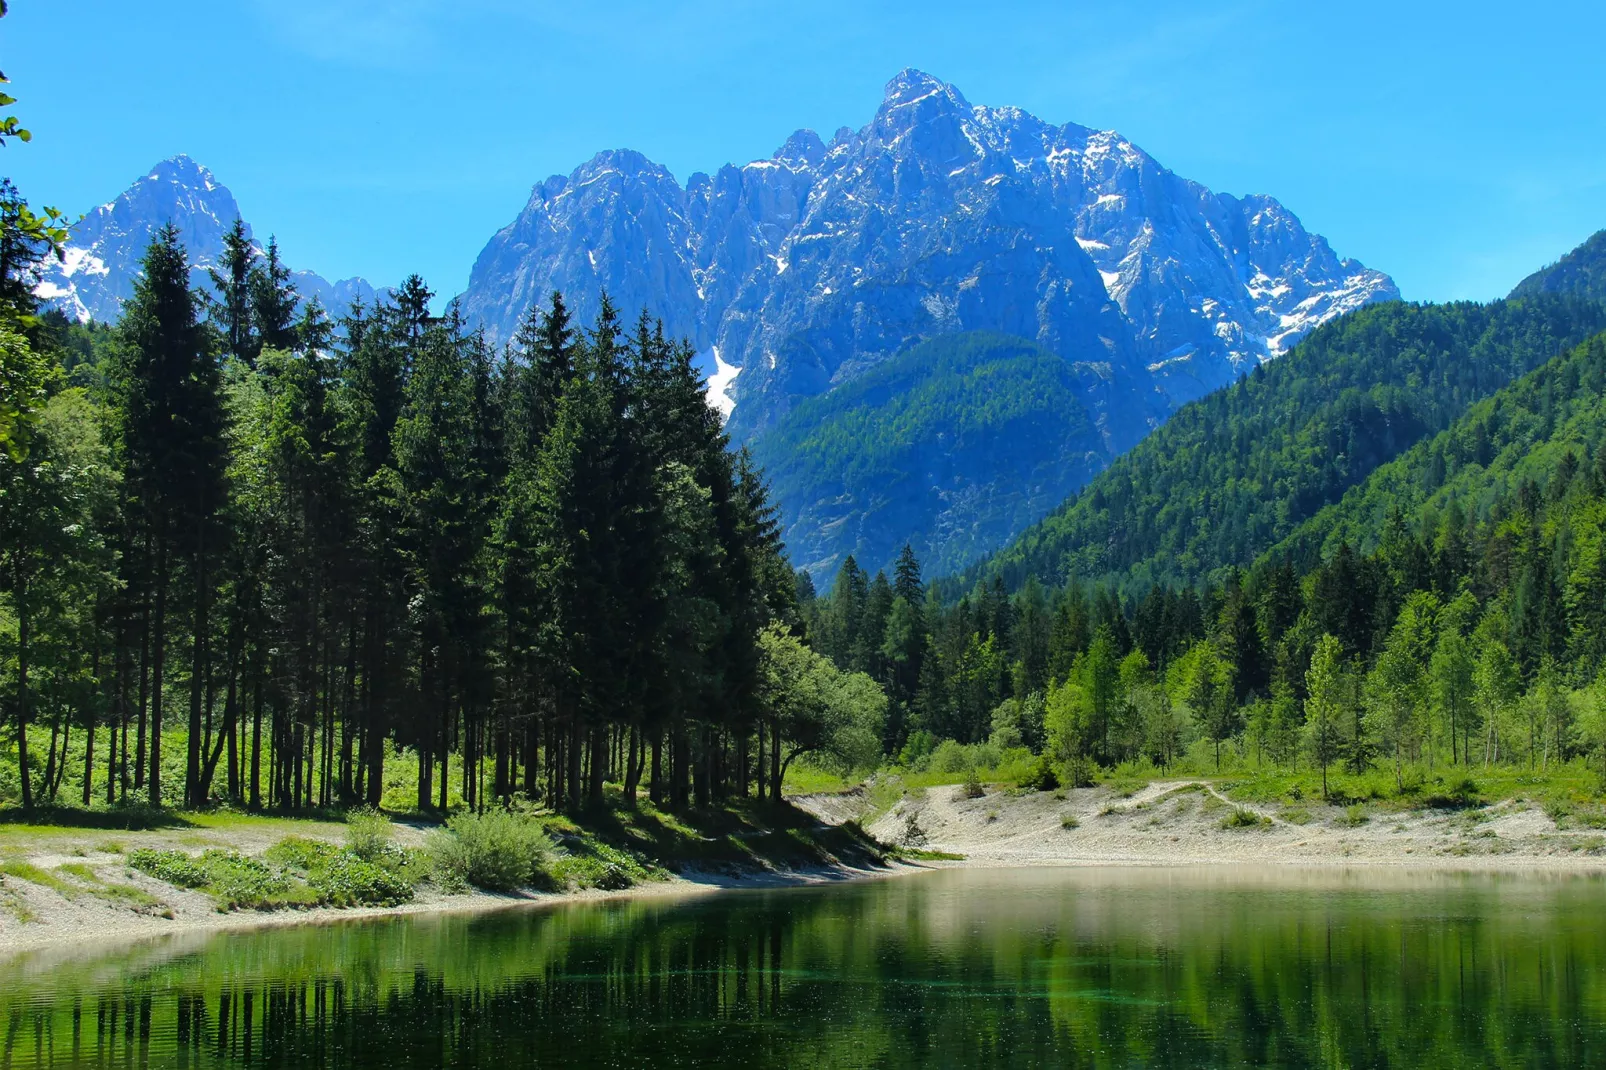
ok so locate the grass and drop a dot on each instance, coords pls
(1354, 816)
(1243, 818)
(1419, 786)
(13, 903)
(1070, 821)
(921, 854)
(27, 871)
(114, 892)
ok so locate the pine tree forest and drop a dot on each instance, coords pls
(252, 555)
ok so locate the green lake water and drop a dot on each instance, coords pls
(1036, 967)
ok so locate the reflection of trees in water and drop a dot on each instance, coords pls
(958, 969)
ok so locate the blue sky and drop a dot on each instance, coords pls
(1455, 145)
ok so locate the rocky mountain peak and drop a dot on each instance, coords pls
(104, 249)
(803, 149)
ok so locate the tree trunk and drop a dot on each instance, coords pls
(573, 792)
(24, 627)
(200, 669)
(656, 786)
(599, 765)
(777, 773)
(158, 668)
(144, 694)
(256, 733)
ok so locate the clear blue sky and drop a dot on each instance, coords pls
(1455, 145)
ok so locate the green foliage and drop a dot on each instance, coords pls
(174, 867)
(834, 717)
(593, 864)
(299, 852)
(343, 880)
(497, 850)
(233, 880)
(295, 872)
(973, 788)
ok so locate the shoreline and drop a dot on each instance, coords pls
(1167, 824)
(63, 933)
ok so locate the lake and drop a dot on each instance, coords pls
(1104, 967)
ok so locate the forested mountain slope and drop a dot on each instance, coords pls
(1235, 472)
(1581, 272)
(1551, 420)
(951, 446)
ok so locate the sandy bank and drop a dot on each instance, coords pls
(82, 921)
(1182, 822)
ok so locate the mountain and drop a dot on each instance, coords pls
(1234, 473)
(1581, 272)
(103, 254)
(803, 271)
(954, 444)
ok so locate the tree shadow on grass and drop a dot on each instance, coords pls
(119, 819)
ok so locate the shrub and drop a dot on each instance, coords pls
(1070, 821)
(1079, 772)
(973, 788)
(597, 865)
(1461, 795)
(298, 852)
(368, 834)
(346, 880)
(1042, 776)
(174, 867)
(1354, 816)
(917, 749)
(235, 880)
(495, 850)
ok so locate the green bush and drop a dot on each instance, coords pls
(495, 850)
(237, 881)
(917, 749)
(174, 867)
(368, 834)
(973, 785)
(1070, 821)
(298, 852)
(346, 880)
(1042, 776)
(596, 865)
(1354, 816)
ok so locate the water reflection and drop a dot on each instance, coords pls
(1052, 967)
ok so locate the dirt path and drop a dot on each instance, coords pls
(1187, 821)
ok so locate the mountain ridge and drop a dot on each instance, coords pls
(806, 268)
(101, 261)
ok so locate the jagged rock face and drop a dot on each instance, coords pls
(798, 273)
(104, 250)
